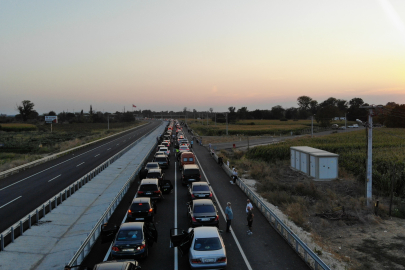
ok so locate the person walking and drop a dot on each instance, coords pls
(209, 145)
(250, 216)
(229, 216)
(191, 144)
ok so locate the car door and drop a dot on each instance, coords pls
(151, 232)
(108, 233)
(182, 241)
(167, 186)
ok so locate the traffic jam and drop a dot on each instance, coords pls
(201, 243)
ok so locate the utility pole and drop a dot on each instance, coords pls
(345, 121)
(207, 119)
(226, 124)
(369, 126)
(312, 126)
(215, 118)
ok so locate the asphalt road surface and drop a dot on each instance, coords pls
(265, 249)
(23, 192)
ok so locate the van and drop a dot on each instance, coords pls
(185, 159)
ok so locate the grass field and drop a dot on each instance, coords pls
(256, 127)
(388, 155)
(17, 127)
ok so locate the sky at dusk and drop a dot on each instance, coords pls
(166, 55)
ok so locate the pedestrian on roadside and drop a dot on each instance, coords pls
(227, 163)
(229, 216)
(209, 145)
(250, 220)
(248, 205)
(234, 176)
(191, 144)
(201, 141)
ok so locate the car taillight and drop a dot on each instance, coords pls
(210, 195)
(140, 192)
(116, 249)
(200, 176)
(222, 259)
(196, 261)
(157, 191)
(217, 218)
(192, 195)
(151, 210)
(193, 219)
(140, 247)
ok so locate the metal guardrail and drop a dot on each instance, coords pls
(8, 236)
(88, 243)
(51, 157)
(292, 239)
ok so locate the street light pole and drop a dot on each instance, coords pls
(226, 124)
(312, 126)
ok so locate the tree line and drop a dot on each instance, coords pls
(390, 115)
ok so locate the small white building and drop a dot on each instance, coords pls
(317, 163)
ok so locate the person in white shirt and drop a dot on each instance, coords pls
(249, 204)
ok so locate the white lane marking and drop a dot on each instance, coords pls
(57, 165)
(108, 149)
(118, 144)
(109, 250)
(10, 202)
(176, 255)
(97, 155)
(80, 164)
(54, 178)
(223, 214)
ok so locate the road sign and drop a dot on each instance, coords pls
(51, 119)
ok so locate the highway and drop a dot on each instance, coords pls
(23, 192)
(265, 249)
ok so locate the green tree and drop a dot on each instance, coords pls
(26, 110)
(325, 115)
(304, 102)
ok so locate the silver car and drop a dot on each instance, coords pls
(204, 245)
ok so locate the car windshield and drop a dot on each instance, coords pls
(136, 207)
(148, 187)
(191, 171)
(206, 244)
(160, 159)
(153, 175)
(203, 209)
(129, 235)
(201, 188)
(163, 149)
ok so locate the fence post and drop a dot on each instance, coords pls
(43, 209)
(29, 221)
(2, 242)
(37, 215)
(50, 206)
(12, 234)
(21, 227)
(56, 201)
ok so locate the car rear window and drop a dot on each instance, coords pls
(148, 187)
(201, 188)
(206, 244)
(203, 209)
(161, 159)
(153, 175)
(135, 207)
(150, 166)
(188, 159)
(129, 235)
(191, 171)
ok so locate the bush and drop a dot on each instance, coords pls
(283, 119)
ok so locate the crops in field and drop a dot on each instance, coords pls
(388, 154)
(17, 127)
(257, 127)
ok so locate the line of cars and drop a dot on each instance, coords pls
(202, 241)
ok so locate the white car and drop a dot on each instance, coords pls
(204, 246)
(165, 150)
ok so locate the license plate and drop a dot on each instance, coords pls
(201, 195)
(128, 249)
(139, 219)
(191, 179)
(209, 260)
(205, 219)
(148, 193)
